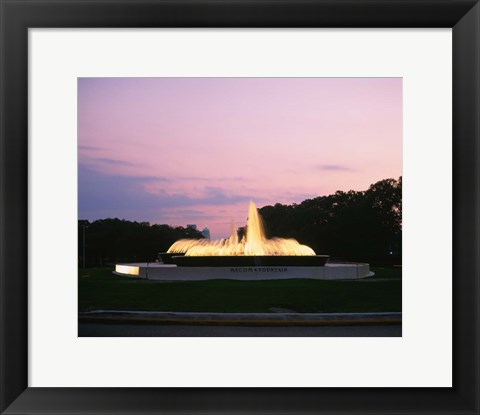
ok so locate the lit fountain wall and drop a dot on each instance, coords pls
(255, 243)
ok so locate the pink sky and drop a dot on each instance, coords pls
(196, 150)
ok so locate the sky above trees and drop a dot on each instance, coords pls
(196, 150)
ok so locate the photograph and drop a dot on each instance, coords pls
(244, 207)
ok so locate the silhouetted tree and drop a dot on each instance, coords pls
(115, 240)
(350, 225)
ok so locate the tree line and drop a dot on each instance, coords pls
(116, 240)
(352, 226)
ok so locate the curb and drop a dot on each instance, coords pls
(240, 319)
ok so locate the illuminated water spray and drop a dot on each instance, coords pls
(255, 242)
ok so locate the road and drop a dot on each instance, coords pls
(141, 330)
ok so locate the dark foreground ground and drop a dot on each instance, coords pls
(120, 330)
(99, 289)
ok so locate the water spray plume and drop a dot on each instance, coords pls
(255, 242)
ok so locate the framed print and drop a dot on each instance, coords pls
(215, 166)
(195, 107)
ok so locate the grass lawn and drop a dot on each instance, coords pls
(100, 289)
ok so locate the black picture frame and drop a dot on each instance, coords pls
(17, 16)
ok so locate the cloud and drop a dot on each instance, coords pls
(100, 192)
(218, 196)
(148, 179)
(212, 179)
(174, 215)
(97, 165)
(189, 212)
(112, 161)
(89, 148)
(334, 167)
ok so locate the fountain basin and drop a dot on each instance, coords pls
(202, 259)
(250, 261)
(171, 272)
(167, 258)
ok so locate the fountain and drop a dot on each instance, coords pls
(252, 250)
(254, 257)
